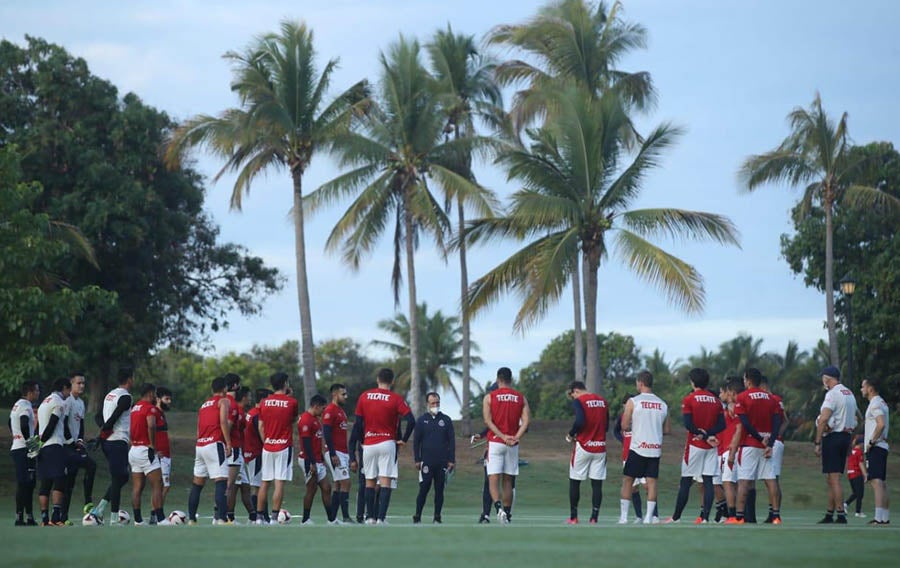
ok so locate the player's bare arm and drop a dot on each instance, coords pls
(488, 421)
(523, 422)
(224, 424)
(735, 442)
(626, 416)
(821, 428)
(151, 429)
(667, 427)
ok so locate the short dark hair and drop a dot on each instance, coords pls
(232, 380)
(753, 375)
(163, 391)
(874, 383)
(317, 400)
(28, 387)
(76, 373)
(431, 394)
(385, 376)
(336, 387)
(645, 378)
(147, 388)
(262, 394)
(734, 384)
(125, 373)
(577, 385)
(699, 376)
(504, 375)
(60, 385)
(241, 393)
(278, 380)
(218, 384)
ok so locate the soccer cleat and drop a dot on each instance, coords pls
(671, 521)
(20, 523)
(334, 522)
(437, 521)
(622, 522)
(776, 521)
(308, 522)
(593, 520)
(502, 518)
(88, 507)
(142, 524)
(371, 521)
(484, 519)
(348, 521)
(360, 520)
(163, 523)
(416, 520)
(638, 521)
(192, 522)
(572, 522)
(68, 523)
(734, 521)
(381, 523)
(841, 520)
(654, 521)
(859, 515)
(700, 521)
(826, 520)
(32, 523)
(769, 519)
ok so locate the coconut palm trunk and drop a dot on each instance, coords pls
(579, 338)
(415, 388)
(464, 321)
(306, 335)
(591, 266)
(829, 276)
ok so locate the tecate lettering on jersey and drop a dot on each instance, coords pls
(649, 446)
(205, 440)
(507, 397)
(208, 403)
(759, 395)
(651, 405)
(378, 396)
(275, 403)
(596, 404)
(276, 441)
(706, 398)
(595, 444)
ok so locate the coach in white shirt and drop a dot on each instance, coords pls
(834, 428)
(876, 448)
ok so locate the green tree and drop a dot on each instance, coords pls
(394, 158)
(282, 122)
(816, 154)
(578, 185)
(344, 361)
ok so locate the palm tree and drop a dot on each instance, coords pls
(282, 121)
(466, 86)
(817, 154)
(738, 353)
(440, 348)
(397, 153)
(576, 191)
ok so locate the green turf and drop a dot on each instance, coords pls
(537, 536)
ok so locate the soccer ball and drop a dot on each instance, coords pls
(177, 517)
(284, 517)
(91, 520)
(124, 518)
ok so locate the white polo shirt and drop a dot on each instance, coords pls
(840, 400)
(877, 407)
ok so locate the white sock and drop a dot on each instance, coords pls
(624, 505)
(651, 511)
(885, 515)
(877, 513)
(101, 507)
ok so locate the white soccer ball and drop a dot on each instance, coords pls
(284, 517)
(91, 520)
(177, 517)
(124, 518)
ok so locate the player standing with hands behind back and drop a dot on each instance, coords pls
(506, 414)
(277, 415)
(834, 427)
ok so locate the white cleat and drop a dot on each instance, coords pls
(163, 523)
(308, 522)
(622, 522)
(382, 523)
(371, 521)
(335, 522)
(638, 521)
(654, 521)
(502, 518)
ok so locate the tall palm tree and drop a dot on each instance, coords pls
(577, 187)
(395, 156)
(283, 120)
(817, 154)
(440, 348)
(467, 88)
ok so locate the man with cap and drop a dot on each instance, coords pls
(834, 430)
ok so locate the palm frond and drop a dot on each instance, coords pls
(680, 223)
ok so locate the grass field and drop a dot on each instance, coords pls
(537, 536)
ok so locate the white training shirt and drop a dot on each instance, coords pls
(53, 405)
(877, 407)
(647, 421)
(122, 427)
(74, 417)
(21, 408)
(843, 408)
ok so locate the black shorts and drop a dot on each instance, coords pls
(51, 462)
(24, 466)
(835, 447)
(117, 457)
(76, 458)
(641, 466)
(876, 462)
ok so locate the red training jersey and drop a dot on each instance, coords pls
(140, 433)
(236, 417)
(309, 427)
(252, 446)
(705, 409)
(209, 430)
(727, 435)
(626, 444)
(163, 448)
(759, 408)
(380, 410)
(854, 461)
(335, 417)
(277, 413)
(506, 412)
(780, 406)
(592, 436)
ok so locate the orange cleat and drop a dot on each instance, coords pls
(700, 521)
(776, 521)
(734, 521)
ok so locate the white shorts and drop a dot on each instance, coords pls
(752, 464)
(166, 465)
(321, 471)
(209, 461)
(235, 459)
(502, 459)
(699, 462)
(139, 462)
(342, 471)
(776, 460)
(380, 460)
(584, 465)
(253, 471)
(278, 466)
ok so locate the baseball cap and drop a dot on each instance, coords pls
(832, 371)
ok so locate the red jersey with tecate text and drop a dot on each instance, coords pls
(163, 448)
(252, 446)
(705, 409)
(277, 413)
(380, 410)
(854, 461)
(731, 422)
(759, 408)
(592, 436)
(140, 433)
(506, 412)
(236, 417)
(309, 427)
(335, 417)
(209, 430)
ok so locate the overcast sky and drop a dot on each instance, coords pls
(727, 71)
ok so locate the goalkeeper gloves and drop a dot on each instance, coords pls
(33, 445)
